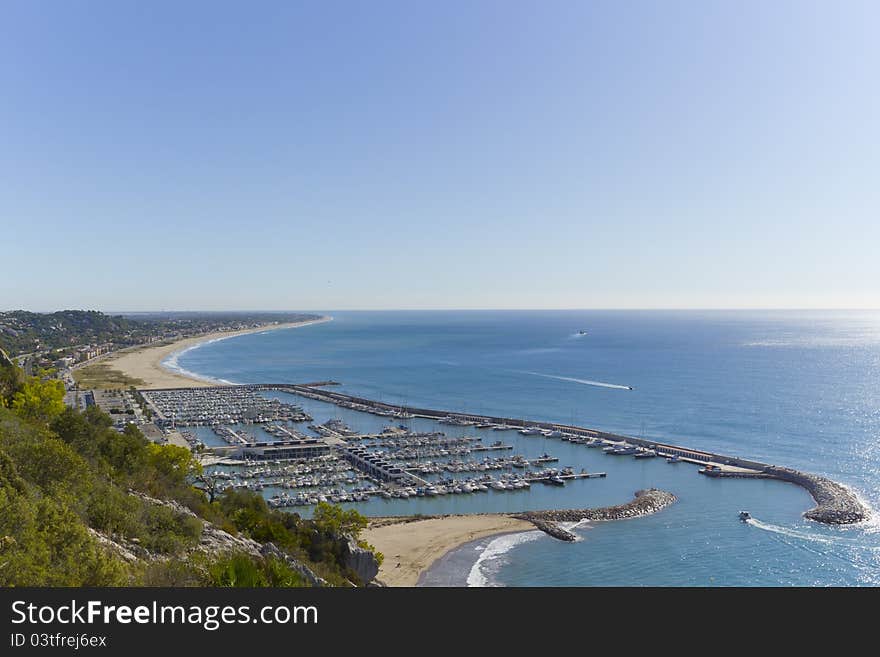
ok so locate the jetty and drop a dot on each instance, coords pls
(644, 502)
(835, 504)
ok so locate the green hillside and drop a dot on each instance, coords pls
(84, 505)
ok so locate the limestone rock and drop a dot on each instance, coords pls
(361, 561)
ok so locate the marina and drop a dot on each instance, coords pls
(400, 463)
(213, 406)
(334, 462)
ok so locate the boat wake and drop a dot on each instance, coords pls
(585, 382)
(810, 536)
(492, 558)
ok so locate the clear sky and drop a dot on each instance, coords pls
(332, 155)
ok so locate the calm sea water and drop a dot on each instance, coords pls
(800, 389)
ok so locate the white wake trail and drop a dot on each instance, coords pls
(585, 382)
(809, 536)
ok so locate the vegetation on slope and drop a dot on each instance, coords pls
(84, 505)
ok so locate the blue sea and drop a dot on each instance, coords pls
(800, 389)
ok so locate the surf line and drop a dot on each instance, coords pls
(585, 382)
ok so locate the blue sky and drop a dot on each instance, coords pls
(333, 155)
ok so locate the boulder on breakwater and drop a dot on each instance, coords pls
(554, 530)
(645, 502)
(835, 504)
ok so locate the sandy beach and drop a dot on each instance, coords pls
(411, 547)
(145, 362)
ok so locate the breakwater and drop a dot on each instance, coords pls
(644, 502)
(835, 504)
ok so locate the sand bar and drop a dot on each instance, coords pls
(411, 547)
(145, 362)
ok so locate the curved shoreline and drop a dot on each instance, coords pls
(413, 550)
(146, 363)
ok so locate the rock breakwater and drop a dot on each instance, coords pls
(835, 504)
(645, 502)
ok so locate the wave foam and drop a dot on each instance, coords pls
(172, 364)
(492, 557)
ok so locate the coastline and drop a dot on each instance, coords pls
(145, 362)
(411, 551)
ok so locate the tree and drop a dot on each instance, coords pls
(174, 462)
(211, 484)
(38, 400)
(336, 520)
(11, 379)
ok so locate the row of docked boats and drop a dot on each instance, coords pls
(625, 449)
(636, 451)
(395, 412)
(333, 496)
(538, 431)
(214, 406)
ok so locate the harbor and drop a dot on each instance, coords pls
(270, 451)
(400, 463)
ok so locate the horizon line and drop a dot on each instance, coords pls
(484, 309)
